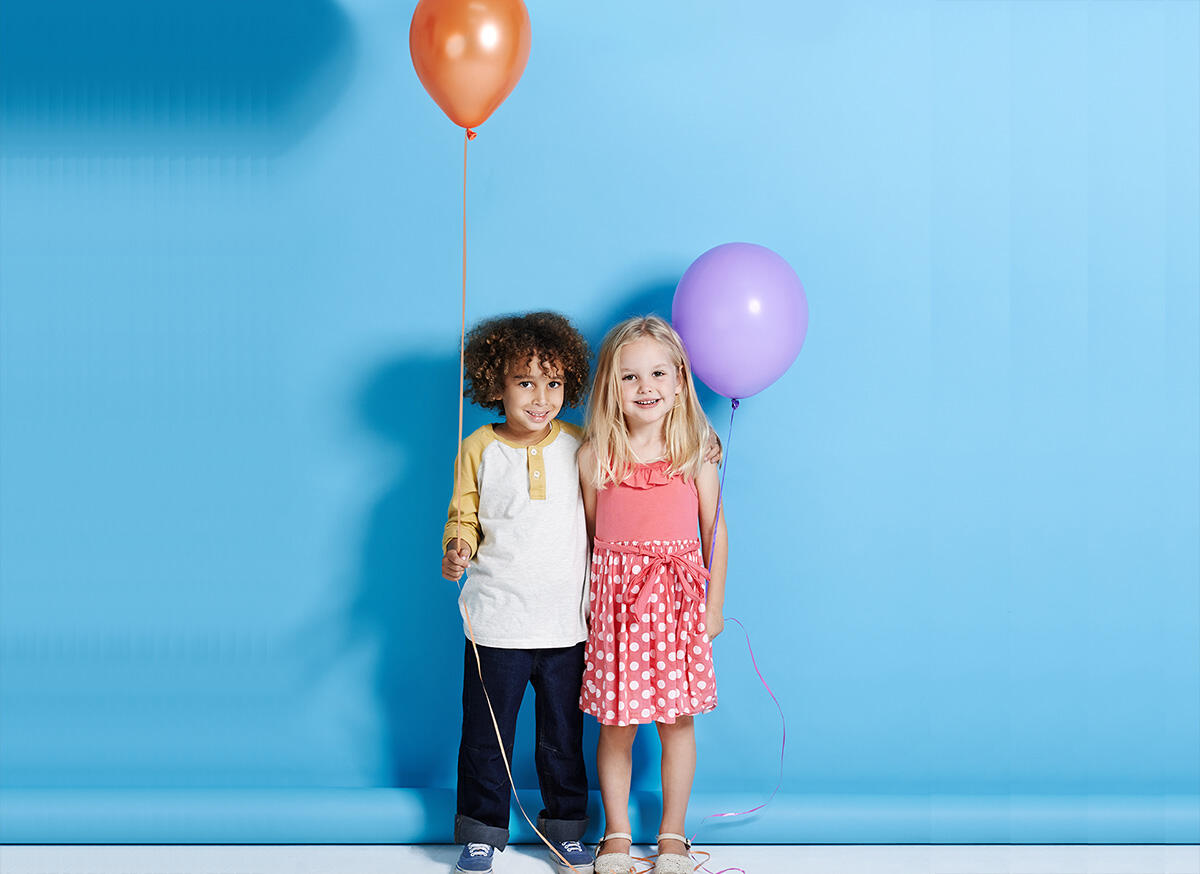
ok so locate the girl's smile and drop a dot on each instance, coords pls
(649, 382)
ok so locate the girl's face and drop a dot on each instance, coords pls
(648, 381)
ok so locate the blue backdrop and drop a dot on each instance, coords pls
(965, 526)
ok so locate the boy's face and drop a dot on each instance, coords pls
(532, 397)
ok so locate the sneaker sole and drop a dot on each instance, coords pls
(585, 868)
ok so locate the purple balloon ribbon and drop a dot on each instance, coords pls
(753, 661)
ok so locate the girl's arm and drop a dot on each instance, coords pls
(716, 552)
(586, 460)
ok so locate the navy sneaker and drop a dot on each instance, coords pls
(574, 852)
(475, 859)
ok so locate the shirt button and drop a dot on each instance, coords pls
(536, 474)
(533, 452)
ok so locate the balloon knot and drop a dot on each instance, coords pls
(736, 402)
(471, 134)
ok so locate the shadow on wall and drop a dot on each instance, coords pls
(168, 76)
(404, 606)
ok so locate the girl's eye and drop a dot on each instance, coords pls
(554, 383)
(660, 374)
(525, 383)
(627, 377)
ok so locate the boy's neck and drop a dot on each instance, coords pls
(522, 437)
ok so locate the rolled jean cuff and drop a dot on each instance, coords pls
(472, 831)
(562, 829)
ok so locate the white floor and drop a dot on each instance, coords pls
(532, 860)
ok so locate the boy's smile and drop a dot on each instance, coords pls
(532, 397)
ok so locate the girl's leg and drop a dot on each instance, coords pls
(678, 769)
(614, 764)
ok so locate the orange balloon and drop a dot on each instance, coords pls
(469, 54)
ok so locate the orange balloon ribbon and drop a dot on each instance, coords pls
(469, 54)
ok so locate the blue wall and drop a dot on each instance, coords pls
(965, 525)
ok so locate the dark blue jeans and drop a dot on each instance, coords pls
(483, 789)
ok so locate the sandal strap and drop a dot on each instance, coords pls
(674, 837)
(615, 836)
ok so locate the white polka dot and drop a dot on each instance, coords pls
(701, 684)
(610, 676)
(662, 666)
(633, 646)
(646, 635)
(662, 646)
(637, 568)
(610, 694)
(610, 715)
(633, 684)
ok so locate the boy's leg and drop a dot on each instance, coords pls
(483, 789)
(557, 676)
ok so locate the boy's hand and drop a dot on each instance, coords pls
(456, 560)
(713, 453)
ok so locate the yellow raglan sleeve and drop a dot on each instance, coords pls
(471, 454)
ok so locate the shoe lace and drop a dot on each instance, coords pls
(572, 846)
(478, 849)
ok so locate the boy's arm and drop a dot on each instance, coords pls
(460, 540)
(716, 552)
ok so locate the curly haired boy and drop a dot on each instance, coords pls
(516, 521)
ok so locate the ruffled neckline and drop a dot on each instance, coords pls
(647, 475)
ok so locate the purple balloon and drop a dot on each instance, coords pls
(742, 314)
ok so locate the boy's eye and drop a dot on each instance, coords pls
(525, 383)
(554, 383)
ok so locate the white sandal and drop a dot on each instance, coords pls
(674, 863)
(614, 863)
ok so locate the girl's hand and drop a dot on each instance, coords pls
(714, 624)
(455, 561)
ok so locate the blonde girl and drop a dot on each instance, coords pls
(650, 500)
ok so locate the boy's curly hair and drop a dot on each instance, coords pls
(495, 346)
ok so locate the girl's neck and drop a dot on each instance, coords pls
(649, 444)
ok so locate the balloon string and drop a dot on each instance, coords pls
(462, 354)
(700, 866)
(458, 490)
(782, 746)
(712, 546)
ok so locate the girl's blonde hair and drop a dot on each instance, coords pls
(687, 427)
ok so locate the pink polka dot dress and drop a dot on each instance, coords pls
(647, 656)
